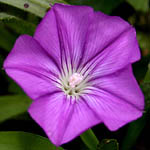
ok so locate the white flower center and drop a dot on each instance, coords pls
(73, 82)
(75, 79)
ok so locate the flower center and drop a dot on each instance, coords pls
(73, 85)
(75, 79)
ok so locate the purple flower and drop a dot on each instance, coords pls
(77, 69)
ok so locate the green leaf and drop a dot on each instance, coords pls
(146, 90)
(37, 7)
(21, 27)
(141, 5)
(17, 24)
(143, 39)
(89, 139)
(4, 16)
(13, 105)
(147, 76)
(24, 141)
(105, 6)
(134, 130)
(13, 87)
(108, 144)
(6, 38)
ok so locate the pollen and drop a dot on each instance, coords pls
(75, 79)
(72, 84)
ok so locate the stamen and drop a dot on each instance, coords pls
(72, 83)
(75, 79)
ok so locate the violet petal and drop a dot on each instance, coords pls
(31, 67)
(116, 98)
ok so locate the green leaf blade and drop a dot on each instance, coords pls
(11, 106)
(106, 6)
(147, 76)
(133, 132)
(4, 16)
(24, 141)
(143, 39)
(32, 8)
(37, 7)
(140, 5)
(7, 42)
(89, 139)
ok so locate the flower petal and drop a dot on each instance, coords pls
(111, 44)
(116, 98)
(61, 119)
(63, 31)
(52, 113)
(31, 67)
(47, 35)
(82, 119)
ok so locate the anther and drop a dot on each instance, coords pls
(75, 79)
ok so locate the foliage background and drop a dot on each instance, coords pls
(21, 17)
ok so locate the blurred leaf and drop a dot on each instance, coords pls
(37, 7)
(16, 24)
(13, 87)
(146, 89)
(13, 11)
(141, 5)
(22, 117)
(108, 144)
(105, 6)
(24, 141)
(6, 38)
(147, 76)
(134, 130)
(4, 16)
(10, 23)
(144, 40)
(13, 105)
(89, 139)
(21, 26)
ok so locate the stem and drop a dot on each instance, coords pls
(89, 139)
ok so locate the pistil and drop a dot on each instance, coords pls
(75, 79)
